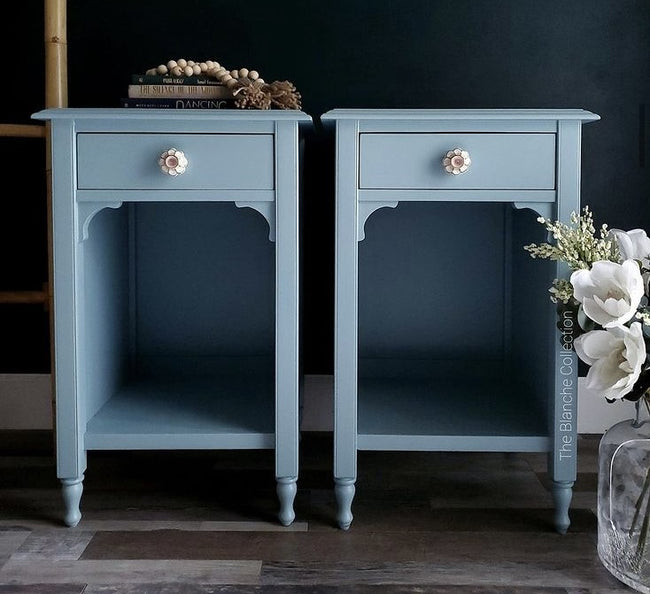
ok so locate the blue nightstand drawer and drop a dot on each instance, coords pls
(215, 161)
(498, 161)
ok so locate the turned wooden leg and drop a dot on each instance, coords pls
(286, 490)
(562, 493)
(344, 491)
(72, 490)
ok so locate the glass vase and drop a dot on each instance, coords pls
(624, 500)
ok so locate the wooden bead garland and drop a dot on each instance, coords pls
(209, 68)
(248, 88)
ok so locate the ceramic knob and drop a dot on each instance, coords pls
(456, 161)
(173, 162)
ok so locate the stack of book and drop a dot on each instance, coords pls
(177, 92)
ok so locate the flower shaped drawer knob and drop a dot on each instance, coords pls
(456, 161)
(173, 162)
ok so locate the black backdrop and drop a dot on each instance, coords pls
(590, 54)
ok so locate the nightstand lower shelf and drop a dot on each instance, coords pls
(433, 415)
(232, 412)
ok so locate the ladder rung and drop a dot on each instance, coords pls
(24, 297)
(22, 130)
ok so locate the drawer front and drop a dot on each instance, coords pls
(498, 161)
(215, 161)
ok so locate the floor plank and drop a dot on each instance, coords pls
(340, 546)
(55, 546)
(66, 588)
(467, 573)
(319, 589)
(10, 541)
(134, 572)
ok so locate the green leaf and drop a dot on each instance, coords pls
(584, 321)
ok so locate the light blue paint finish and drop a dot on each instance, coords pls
(564, 408)
(266, 209)
(344, 490)
(199, 412)
(430, 406)
(86, 211)
(439, 372)
(451, 195)
(110, 119)
(71, 491)
(521, 118)
(286, 490)
(287, 261)
(453, 443)
(562, 495)
(533, 318)
(365, 209)
(345, 312)
(220, 305)
(70, 409)
(410, 242)
(215, 161)
(469, 126)
(176, 319)
(499, 161)
(174, 195)
(543, 209)
(104, 308)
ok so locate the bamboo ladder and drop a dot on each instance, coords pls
(56, 95)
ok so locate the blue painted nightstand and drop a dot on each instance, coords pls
(176, 312)
(445, 338)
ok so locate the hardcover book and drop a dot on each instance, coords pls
(178, 103)
(165, 79)
(182, 91)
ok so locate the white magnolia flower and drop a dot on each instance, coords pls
(610, 293)
(634, 244)
(615, 356)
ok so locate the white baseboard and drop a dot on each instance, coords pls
(595, 414)
(318, 403)
(25, 403)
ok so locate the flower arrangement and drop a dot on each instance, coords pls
(608, 291)
(608, 294)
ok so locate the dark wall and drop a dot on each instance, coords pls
(590, 54)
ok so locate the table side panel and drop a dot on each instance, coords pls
(70, 405)
(346, 296)
(287, 270)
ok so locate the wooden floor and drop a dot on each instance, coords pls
(204, 522)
